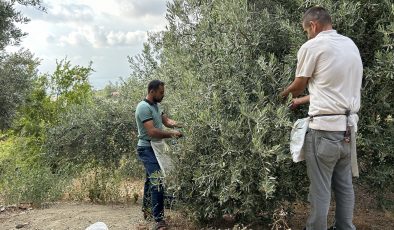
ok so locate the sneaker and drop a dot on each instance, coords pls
(147, 215)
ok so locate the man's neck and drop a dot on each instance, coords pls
(150, 99)
(326, 28)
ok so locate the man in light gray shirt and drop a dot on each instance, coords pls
(330, 65)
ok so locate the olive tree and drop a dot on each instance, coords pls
(17, 72)
(224, 63)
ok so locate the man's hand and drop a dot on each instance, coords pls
(169, 123)
(299, 101)
(174, 124)
(178, 125)
(283, 95)
(176, 134)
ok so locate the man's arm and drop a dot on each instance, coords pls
(299, 101)
(158, 133)
(296, 87)
(169, 123)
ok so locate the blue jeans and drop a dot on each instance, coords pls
(153, 188)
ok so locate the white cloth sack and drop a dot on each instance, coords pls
(97, 226)
(297, 138)
(160, 148)
(353, 119)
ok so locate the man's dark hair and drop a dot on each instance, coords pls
(316, 13)
(154, 85)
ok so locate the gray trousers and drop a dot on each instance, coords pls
(328, 164)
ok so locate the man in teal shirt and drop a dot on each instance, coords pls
(150, 120)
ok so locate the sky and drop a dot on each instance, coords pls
(102, 31)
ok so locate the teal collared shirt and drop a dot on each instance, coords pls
(147, 111)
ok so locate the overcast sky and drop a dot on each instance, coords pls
(105, 32)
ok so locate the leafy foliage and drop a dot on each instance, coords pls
(17, 72)
(10, 34)
(99, 133)
(376, 123)
(24, 179)
(224, 63)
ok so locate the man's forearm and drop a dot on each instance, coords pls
(295, 92)
(299, 101)
(296, 88)
(302, 100)
(158, 133)
(169, 123)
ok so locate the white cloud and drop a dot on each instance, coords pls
(73, 12)
(138, 8)
(130, 38)
(98, 37)
(60, 12)
(105, 32)
(74, 38)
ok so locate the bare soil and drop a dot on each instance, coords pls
(367, 214)
(72, 215)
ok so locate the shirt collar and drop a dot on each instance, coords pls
(327, 32)
(149, 102)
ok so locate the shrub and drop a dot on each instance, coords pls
(22, 181)
(100, 133)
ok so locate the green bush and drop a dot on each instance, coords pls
(23, 181)
(17, 72)
(101, 185)
(376, 147)
(100, 133)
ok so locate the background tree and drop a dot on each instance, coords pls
(10, 34)
(17, 72)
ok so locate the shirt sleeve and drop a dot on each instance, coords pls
(144, 114)
(306, 62)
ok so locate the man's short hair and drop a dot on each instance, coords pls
(316, 13)
(154, 85)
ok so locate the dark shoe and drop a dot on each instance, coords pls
(161, 225)
(147, 215)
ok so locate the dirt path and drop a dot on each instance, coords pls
(75, 216)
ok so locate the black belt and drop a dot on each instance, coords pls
(327, 115)
(347, 113)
